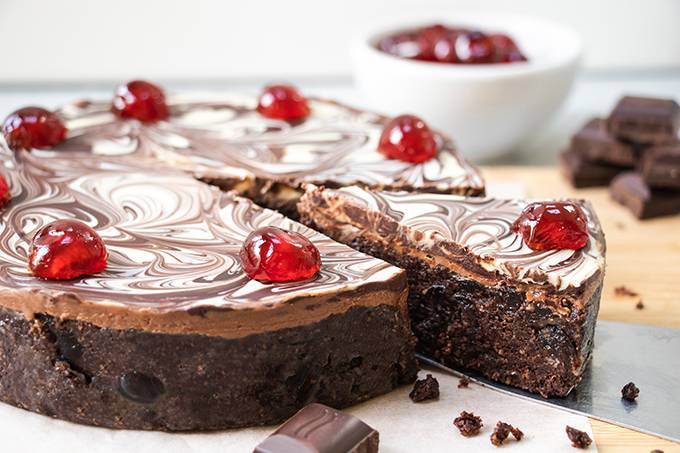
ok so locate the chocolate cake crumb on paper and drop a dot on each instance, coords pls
(463, 383)
(468, 424)
(425, 389)
(630, 392)
(624, 291)
(502, 431)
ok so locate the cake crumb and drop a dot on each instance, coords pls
(640, 305)
(579, 439)
(463, 383)
(624, 291)
(468, 424)
(656, 451)
(502, 431)
(425, 389)
(629, 392)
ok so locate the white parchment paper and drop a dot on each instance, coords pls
(404, 426)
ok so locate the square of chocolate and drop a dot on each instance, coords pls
(630, 190)
(594, 142)
(582, 173)
(645, 120)
(321, 429)
(660, 167)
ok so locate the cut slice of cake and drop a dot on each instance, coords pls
(479, 296)
(173, 335)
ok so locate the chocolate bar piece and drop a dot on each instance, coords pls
(321, 429)
(630, 190)
(594, 142)
(582, 173)
(645, 120)
(660, 167)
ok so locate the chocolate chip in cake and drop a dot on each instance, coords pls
(468, 424)
(624, 291)
(579, 439)
(425, 389)
(640, 305)
(502, 431)
(629, 392)
(140, 387)
(463, 383)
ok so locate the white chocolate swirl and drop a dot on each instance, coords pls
(483, 227)
(173, 241)
(226, 137)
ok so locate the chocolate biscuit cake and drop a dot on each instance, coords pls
(173, 335)
(223, 140)
(479, 296)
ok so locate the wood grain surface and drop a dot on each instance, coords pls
(643, 256)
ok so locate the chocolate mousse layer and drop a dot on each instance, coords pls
(173, 335)
(479, 298)
(223, 140)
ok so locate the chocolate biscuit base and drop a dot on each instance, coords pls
(173, 335)
(480, 300)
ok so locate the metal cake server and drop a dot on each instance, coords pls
(647, 356)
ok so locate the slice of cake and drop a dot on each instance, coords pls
(230, 141)
(479, 296)
(173, 335)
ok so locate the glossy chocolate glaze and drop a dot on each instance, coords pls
(449, 226)
(173, 247)
(224, 137)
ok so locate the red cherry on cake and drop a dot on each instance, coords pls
(273, 254)
(66, 249)
(552, 225)
(283, 102)
(140, 100)
(33, 127)
(5, 194)
(407, 138)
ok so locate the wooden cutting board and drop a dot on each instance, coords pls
(643, 256)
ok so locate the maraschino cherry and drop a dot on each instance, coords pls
(272, 254)
(5, 193)
(66, 249)
(407, 138)
(140, 100)
(552, 225)
(283, 102)
(33, 127)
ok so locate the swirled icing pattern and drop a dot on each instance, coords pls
(173, 241)
(226, 137)
(483, 227)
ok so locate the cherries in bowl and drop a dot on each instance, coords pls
(451, 71)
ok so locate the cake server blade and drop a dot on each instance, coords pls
(647, 356)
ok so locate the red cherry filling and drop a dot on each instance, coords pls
(5, 194)
(475, 47)
(140, 100)
(66, 249)
(272, 254)
(33, 127)
(552, 225)
(407, 138)
(283, 102)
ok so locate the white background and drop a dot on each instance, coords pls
(100, 41)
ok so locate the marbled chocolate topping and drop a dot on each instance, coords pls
(480, 227)
(173, 242)
(226, 137)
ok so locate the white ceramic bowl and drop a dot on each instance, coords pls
(486, 109)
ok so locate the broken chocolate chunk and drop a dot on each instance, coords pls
(425, 389)
(579, 439)
(630, 190)
(502, 431)
(468, 424)
(645, 120)
(320, 429)
(629, 392)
